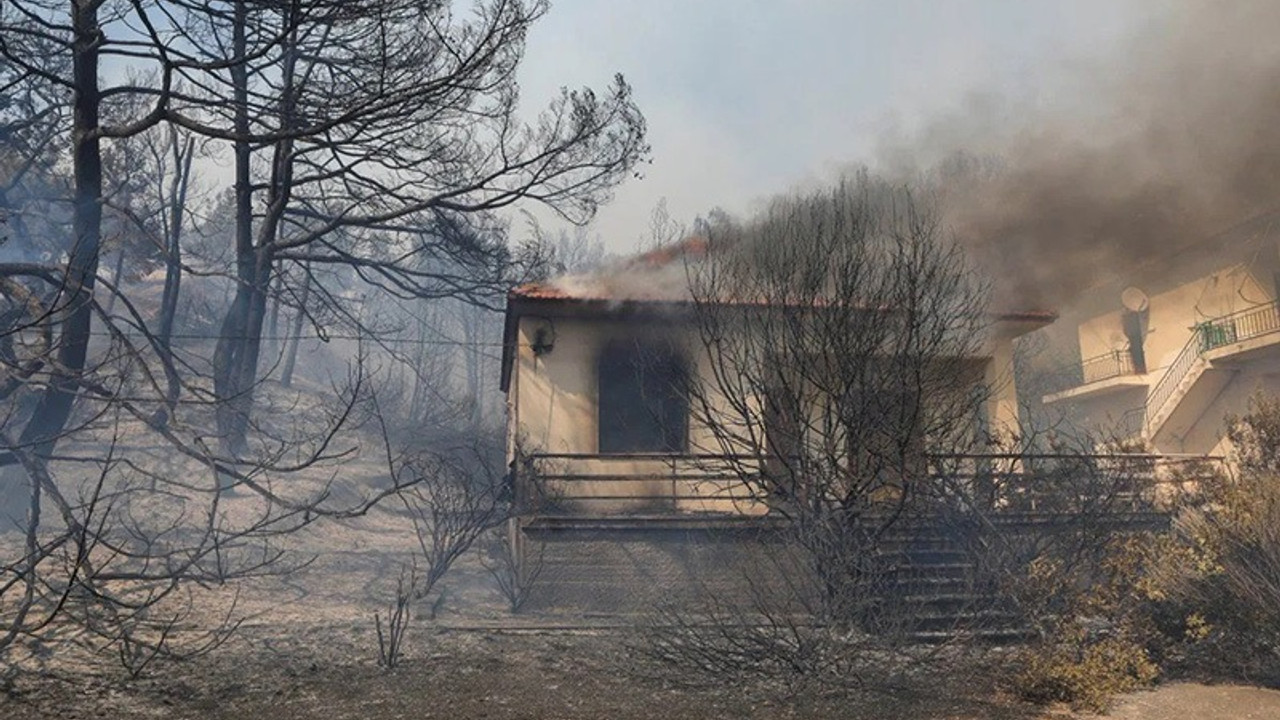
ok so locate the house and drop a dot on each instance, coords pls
(622, 489)
(1163, 352)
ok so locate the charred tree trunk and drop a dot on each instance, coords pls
(53, 409)
(240, 342)
(273, 324)
(182, 156)
(295, 333)
(228, 355)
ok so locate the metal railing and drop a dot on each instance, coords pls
(1107, 365)
(1072, 483)
(1209, 335)
(635, 483)
(1242, 325)
(704, 485)
(1162, 392)
(1111, 364)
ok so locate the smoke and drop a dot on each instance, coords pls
(662, 274)
(1167, 144)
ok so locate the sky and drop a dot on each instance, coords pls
(747, 98)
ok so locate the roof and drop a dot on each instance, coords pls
(602, 292)
(547, 291)
(658, 276)
(654, 276)
(554, 294)
(653, 281)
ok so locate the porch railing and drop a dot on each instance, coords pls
(635, 483)
(691, 485)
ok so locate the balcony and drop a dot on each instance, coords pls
(1223, 341)
(1240, 332)
(1102, 374)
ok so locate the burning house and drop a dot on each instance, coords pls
(625, 481)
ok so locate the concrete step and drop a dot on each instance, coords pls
(929, 585)
(991, 635)
(952, 602)
(941, 570)
(925, 553)
(954, 622)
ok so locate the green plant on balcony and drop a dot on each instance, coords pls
(1215, 334)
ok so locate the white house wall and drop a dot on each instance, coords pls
(1173, 312)
(555, 411)
(553, 405)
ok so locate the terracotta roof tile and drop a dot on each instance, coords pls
(627, 283)
(542, 291)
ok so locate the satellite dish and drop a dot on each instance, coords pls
(1134, 300)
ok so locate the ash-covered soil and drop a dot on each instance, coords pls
(326, 672)
(307, 649)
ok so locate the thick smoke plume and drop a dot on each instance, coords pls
(1170, 144)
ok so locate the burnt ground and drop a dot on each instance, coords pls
(459, 674)
(308, 650)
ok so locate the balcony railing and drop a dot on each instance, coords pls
(1111, 364)
(1243, 325)
(1107, 365)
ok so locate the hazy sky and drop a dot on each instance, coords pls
(746, 98)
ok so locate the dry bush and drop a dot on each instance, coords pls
(1203, 597)
(515, 576)
(1085, 672)
(1095, 634)
(784, 625)
(1221, 579)
(391, 633)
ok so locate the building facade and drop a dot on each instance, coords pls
(621, 485)
(1169, 350)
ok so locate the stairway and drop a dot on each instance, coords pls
(936, 590)
(1157, 416)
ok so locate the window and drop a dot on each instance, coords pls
(643, 401)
